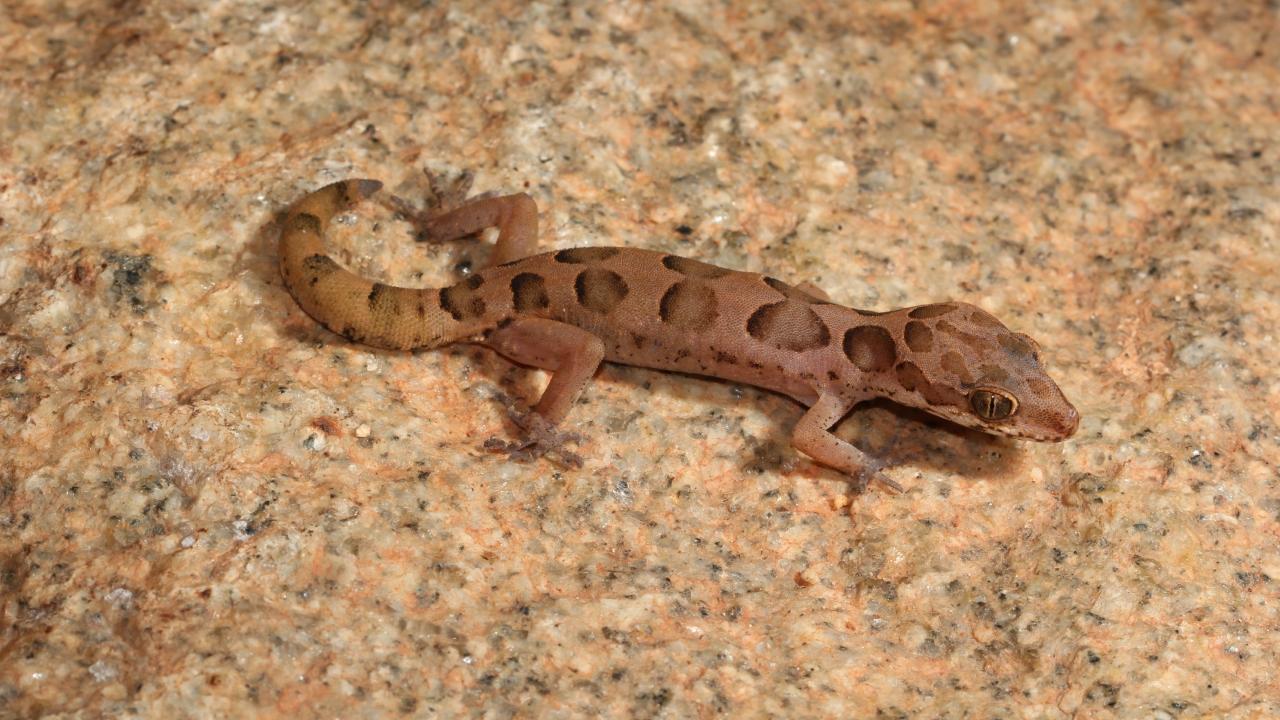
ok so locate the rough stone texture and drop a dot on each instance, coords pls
(209, 506)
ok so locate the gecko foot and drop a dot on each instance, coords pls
(873, 472)
(447, 195)
(442, 197)
(541, 439)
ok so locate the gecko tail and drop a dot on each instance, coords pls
(354, 307)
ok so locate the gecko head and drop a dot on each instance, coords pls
(956, 361)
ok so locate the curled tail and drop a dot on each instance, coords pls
(360, 310)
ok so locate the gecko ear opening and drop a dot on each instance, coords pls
(992, 403)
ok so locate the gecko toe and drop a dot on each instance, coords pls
(541, 440)
(368, 187)
(875, 474)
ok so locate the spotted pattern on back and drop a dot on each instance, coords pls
(461, 300)
(925, 312)
(982, 319)
(585, 254)
(789, 325)
(694, 268)
(918, 336)
(978, 345)
(529, 293)
(600, 290)
(688, 305)
(870, 347)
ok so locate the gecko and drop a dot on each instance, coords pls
(566, 311)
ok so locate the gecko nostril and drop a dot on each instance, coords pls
(1070, 421)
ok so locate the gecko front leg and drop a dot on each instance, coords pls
(812, 436)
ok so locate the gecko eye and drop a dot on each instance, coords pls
(992, 404)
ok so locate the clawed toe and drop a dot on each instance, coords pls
(541, 439)
(443, 196)
(875, 474)
(447, 195)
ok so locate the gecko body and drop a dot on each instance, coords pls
(566, 311)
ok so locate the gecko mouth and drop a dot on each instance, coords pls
(1056, 429)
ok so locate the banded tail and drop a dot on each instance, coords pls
(360, 310)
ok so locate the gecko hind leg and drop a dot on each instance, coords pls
(572, 356)
(452, 215)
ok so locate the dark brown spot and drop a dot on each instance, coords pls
(529, 293)
(694, 268)
(341, 191)
(931, 311)
(791, 292)
(788, 325)
(461, 302)
(585, 254)
(688, 305)
(318, 264)
(380, 299)
(1035, 346)
(912, 378)
(1015, 345)
(725, 358)
(305, 222)
(422, 309)
(953, 363)
(993, 373)
(919, 337)
(984, 319)
(870, 347)
(973, 341)
(600, 290)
